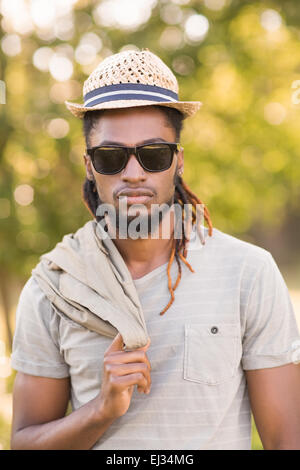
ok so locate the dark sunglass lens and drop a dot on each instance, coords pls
(156, 157)
(109, 160)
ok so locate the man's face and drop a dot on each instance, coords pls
(131, 127)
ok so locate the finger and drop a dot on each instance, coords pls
(125, 357)
(125, 369)
(116, 345)
(119, 383)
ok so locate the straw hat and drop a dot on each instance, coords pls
(131, 78)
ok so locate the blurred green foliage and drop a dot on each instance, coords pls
(4, 434)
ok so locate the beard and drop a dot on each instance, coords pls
(135, 219)
(142, 223)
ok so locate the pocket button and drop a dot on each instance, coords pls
(214, 330)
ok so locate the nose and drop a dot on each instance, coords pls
(133, 172)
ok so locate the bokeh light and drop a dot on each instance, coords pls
(49, 18)
(171, 38)
(41, 58)
(17, 16)
(93, 40)
(271, 20)
(128, 15)
(23, 194)
(42, 13)
(58, 128)
(171, 14)
(11, 44)
(60, 67)
(86, 52)
(196, 28)
(64, 28)
(274, 113)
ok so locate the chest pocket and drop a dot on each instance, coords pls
(211, 352)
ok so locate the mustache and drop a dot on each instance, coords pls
(176, 181)
(127, 188)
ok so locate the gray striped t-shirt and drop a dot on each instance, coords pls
(232, 314)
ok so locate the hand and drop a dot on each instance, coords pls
(122, 370)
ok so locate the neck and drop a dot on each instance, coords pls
(144, 255)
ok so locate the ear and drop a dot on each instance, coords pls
(88, 167)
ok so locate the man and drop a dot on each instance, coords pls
(200, 356)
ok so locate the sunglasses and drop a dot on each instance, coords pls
(111, 159)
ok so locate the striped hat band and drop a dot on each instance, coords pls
(129, 91)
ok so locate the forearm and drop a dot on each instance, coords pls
(79, 430)
(295, 446)
(292, 443)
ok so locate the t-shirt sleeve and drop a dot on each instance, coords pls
(35, 348)
(271, 330)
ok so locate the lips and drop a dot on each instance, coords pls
(130, 192)
(135, 195)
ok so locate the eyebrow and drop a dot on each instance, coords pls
(147, 141)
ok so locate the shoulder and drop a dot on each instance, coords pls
(222, 244)
(32, 293)
(34, 306)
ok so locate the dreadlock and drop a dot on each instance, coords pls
(183, 195)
